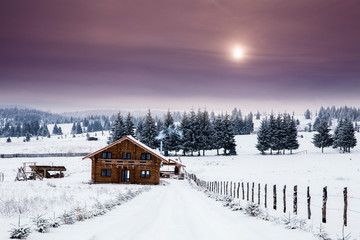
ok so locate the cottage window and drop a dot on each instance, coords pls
(145, 174)
(145, 156)
(106, 155)
(106, 172)
(126, 155)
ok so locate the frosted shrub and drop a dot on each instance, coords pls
(55, 222)
(290, 222)
(322, 234)
(42, 225)
(68, 218)
(80, 214)
(20, 232)
(99, 209)
(109, 205)
(252, 209)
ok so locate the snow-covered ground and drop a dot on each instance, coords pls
(306, 167)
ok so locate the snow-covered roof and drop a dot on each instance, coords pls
(135, 141)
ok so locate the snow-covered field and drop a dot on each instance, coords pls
(306, 167)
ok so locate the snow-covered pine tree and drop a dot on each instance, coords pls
(228, 141)
(149, 132)
(78, 128)
(307, 114)
(347, 137)
(282, 122)
(272, 133)
(292, 142)
(167, 133)
(323, 138)
(186, 136)
(263, 141)
(139, 129)
(337, 134)
(117, 130)
(60, 132)
(129, 126)
(317, 122)
(73, 129)
(205, 131)
(218, 133)
(194, 133)
(55, 130)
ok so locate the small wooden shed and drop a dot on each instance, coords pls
(126, 161)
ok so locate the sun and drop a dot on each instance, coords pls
(238, 53)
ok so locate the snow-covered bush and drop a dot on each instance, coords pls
(81, 213)
(20, 231)
(42, 224)
(68, 218)
(322, 234)
(99, 209)
(252, 209)
(55, 222)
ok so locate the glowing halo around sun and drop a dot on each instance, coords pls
(237, 53)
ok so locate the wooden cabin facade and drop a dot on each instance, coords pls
(126, 161)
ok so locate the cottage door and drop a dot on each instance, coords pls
(125, 175)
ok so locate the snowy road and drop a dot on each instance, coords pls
(175, 211)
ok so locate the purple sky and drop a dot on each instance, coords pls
(138, 54)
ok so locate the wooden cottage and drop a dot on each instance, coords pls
(127, 161)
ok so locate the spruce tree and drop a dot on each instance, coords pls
(129, 126)
(272, 133)
(218, 133)
(117, 130)
(228, 141)
(263, 141)
(78, 128)
(205, 131)
(186, 133)
(307, 114)
(292, 142)
(149, 132)
(167, 133)
(323, 138)
(55, 130)
(347, 138)
(73, 129)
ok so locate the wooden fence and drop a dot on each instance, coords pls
(33, 155)
(232, 189)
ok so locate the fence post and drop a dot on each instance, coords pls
(227, 187)
(284, 194)
(259, 194)
(238, 190)
(308, 202)
(295, 199)
(243, 191)
(274, 195)
(324, 205)
(231, 189)
(234, 190)
(247, 191)
(345, 206)
(252, 192)
(221, 188)
(265, 202)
